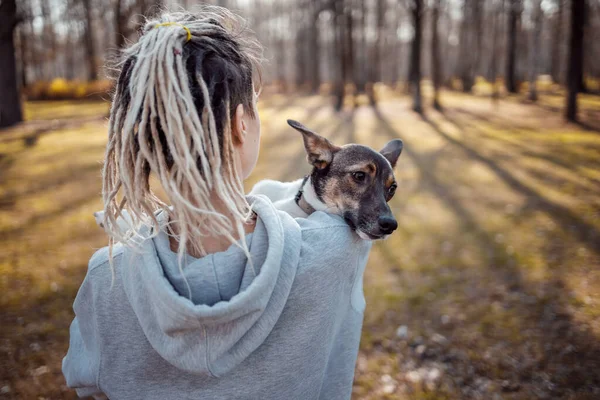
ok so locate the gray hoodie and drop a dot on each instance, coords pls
(286, 326)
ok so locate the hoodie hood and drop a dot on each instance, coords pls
(234, 303)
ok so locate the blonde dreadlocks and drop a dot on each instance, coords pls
(171, 114)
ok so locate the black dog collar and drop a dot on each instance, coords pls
(300, 201)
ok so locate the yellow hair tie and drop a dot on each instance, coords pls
(189, 33)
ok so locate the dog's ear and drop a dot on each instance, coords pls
(392, 151)
(319, 150)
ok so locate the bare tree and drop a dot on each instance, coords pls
(23, 46)
(49, 41)
(478, 39)
(341, 73)
(348, 41)
(467, 55)
(122, 15)
(89, 41)
(10, 101)
(415, 56)
(537, 16)
(435, 54)
(71, 59)
(379, 31)
(314, 50)
(557, 42)
(575, 67)
(497, 8)
(514, 11)
(396, 47)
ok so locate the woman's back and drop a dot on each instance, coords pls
(286, 326)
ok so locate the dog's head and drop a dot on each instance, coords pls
(354, 181)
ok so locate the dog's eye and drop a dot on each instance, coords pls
(391, 191)
(359, 176)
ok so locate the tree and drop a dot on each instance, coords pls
(314, 52)
(557, 42)
(48, 41)
(341, 73)
(514, 10)
(496, 10)
(575, 67)
(435, 54)
(379, 32)
(10, 101)
(415, 56)
(469, 44)
(537, 15)
(122, 17)
(89, 42)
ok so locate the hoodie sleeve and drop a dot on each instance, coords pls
(82, 362)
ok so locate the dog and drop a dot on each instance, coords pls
(353, 181)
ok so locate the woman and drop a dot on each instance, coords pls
(216, 295)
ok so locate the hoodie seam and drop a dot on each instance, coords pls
(355, 283)
(324, 227)
(96, 329)
(212, 261)
(206, 358)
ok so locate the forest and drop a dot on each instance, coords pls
(490, 286)
(345, 45)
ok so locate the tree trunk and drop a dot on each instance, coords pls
(10, 100)
(73, 43)
(511, 57)
(586, 12)
(348, 41)
(89, 42)
(32, 48)
(535, 48)
(49, 42)
(468, 54)
(121, 21)
(575, 67)
(338, 30)
(23, 53)
(478, 39)
(301, 61)
(415, 57)
(557, 44)
(376, 71)
(314, 63)
(276, 31)
(396, 46)
(435, 54)
(494, 63)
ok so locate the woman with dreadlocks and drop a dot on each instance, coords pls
(216, 295)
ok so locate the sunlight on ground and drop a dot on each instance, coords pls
(489, 287)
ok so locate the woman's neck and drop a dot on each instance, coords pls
(211, 244)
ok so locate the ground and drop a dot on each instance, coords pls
(488, 290)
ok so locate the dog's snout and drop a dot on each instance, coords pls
(387, 224)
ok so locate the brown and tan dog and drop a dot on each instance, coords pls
(352, 181)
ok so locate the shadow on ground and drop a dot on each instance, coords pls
(489, 288)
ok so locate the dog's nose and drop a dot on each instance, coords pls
(387, 225)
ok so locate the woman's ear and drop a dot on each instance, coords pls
(238, 125)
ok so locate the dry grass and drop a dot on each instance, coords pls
(494, 270)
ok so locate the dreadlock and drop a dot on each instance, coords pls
(176, 93)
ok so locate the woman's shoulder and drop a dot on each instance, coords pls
(321, 221)
(101, 257)
(328, 235)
